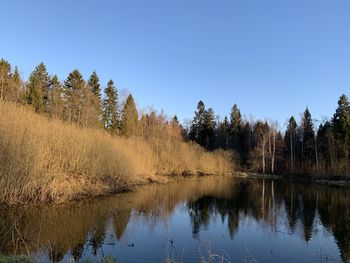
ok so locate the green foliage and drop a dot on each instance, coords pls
(341, 126)
(57, 94)
(111, 117)
(130, 122)
(94, 83)
(15, 259)
(290, 140)
(235, 128)
(308, 138)
(303, 149)
(203, 129)
(38, 88)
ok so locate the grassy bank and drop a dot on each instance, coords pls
(15, 259)
(46, 160)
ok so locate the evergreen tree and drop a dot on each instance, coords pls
(341, 126)
(308, 138)
(326, 144)
(57, 96)
(130, 122)
(247, 142)
(175, 121)
(224, 133)
(236, 127)
(110, 113)
(198, 123)
(38, 88)
(290, 140)
(16, 75)
(95, 87)
(94, 83)
(74, 86)
(209, 129)
(17, 86)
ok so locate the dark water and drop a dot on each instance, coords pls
(216, 218)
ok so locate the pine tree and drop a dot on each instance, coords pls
(224, 133)
(209, 129)
(326, 144)
(74, 86)
(341, 126)
(308, 139)
(110, 112)
(95, 88)
(94, 83)
(130, 122)
(198, 124)
(235, 127)
(17, 86)
(57, 98)
(38, 89)
(290, 140)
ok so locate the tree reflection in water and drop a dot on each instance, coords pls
(60, 230)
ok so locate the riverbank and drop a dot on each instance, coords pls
(15, 259)
(343, 181)
(44, 160)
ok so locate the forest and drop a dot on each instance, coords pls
(303, 148)
(261, 146)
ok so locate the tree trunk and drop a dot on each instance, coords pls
(263, 156)
(273, 152)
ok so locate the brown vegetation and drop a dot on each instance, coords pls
(47, 160)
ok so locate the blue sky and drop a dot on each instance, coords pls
(272, 57)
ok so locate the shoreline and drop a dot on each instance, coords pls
(342, 181)
(167, 179)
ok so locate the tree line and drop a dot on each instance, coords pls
(259, 145)
(75, 100)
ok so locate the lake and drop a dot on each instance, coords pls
(221, 219)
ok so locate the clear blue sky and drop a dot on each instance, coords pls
(272, 57)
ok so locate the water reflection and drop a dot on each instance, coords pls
(281, 213)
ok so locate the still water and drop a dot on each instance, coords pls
(217, 218)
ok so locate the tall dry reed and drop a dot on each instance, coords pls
(45, 160)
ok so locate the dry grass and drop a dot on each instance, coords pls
(45, 160)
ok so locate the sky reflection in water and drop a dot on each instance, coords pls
(242, 220)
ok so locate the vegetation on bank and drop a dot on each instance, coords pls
(48, 160)
(60, 140)
(310, 147)
(15, 259)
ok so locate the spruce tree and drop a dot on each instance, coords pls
(198, 124)
(95, 88)
(236, 127)
(110, 112)
(290, 140)
(308, 138)
(16, 75)
(17, 84)
(341, 126)
(94, 83)
(130, 122)
(57, 98)
(325, 139)
(73, 87)
(38, 89)
(224, 133)
(209, 129)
